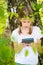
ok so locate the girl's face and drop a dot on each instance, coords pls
(26, 24)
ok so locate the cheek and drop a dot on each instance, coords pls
(29, 24)
(23, 24)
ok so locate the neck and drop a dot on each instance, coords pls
(24, 30)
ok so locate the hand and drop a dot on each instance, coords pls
(24, 44)
(28, 44)
(32, 44)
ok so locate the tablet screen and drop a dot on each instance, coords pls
(27, 40)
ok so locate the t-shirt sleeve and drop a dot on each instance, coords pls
(13, 37)
(38, 33)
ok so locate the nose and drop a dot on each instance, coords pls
(26, 24)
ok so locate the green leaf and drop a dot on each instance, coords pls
(1, 11)
(21, 6)
(37, 6)
(6, 52)
(34, 49)
(16, 15)
(26, 53)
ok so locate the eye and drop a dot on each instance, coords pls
(24, 21)
(28, 21)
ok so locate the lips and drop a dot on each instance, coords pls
(26, 27)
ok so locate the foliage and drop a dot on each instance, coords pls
(3, 15)
(40, 2)
(6, 52)
(38, 47)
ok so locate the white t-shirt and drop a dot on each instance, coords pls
(31, 58)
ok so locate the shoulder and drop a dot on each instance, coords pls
(14, 35)
(36, 28)
(37, 32)
(15, 31)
